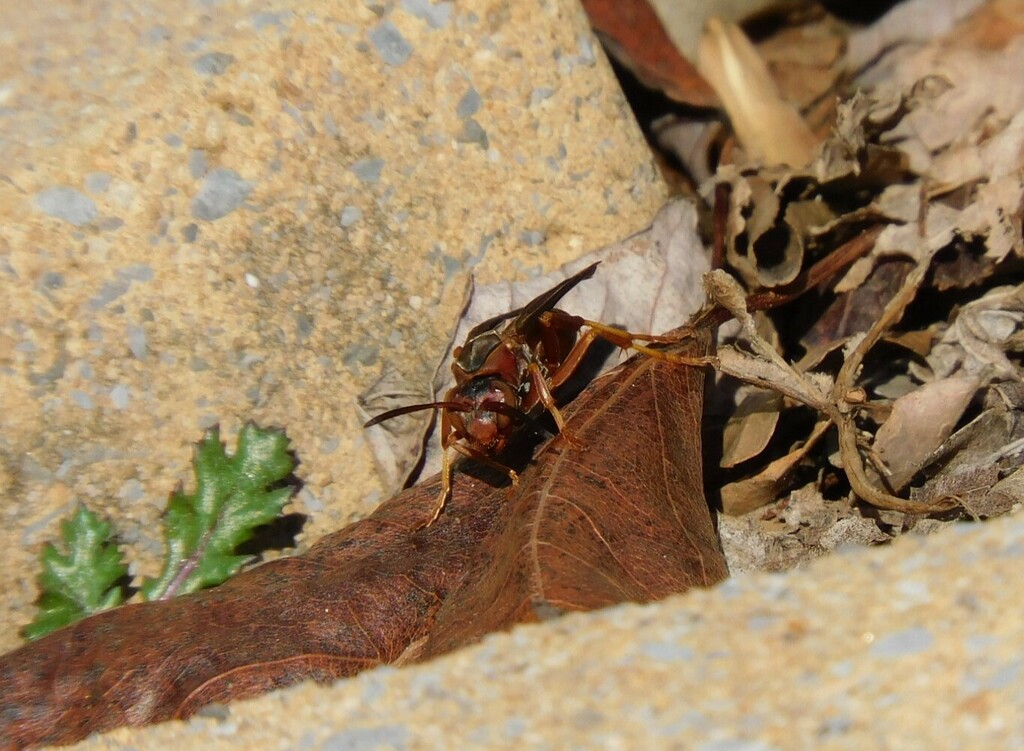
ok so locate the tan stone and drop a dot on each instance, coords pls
(290, 304)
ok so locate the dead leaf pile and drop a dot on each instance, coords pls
(916, 361)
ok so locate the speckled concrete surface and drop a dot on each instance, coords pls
(915, 646)
(213, 213)
(222, 211)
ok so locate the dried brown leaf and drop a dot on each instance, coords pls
(751, 426)
(766, 486)
(997, 499)
(633, 33)
(623, 518)
(918, 424)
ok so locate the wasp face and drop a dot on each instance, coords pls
(485, 428)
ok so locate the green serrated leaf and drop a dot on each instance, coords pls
(233, 496)
(82, 581)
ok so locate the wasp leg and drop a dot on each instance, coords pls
(540, 383)
(448, 472)
(620, 338)
(446, 487)
(476, 456)
(448, 440)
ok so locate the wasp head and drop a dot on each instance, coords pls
(490, 414)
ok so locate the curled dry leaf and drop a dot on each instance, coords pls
(918, 424)
(767, 485)
(780, 218)
(633, 34)
(770, 130)
(397, 444)
(751, 426)
(623, 518)
(915, 20)
(980, 338)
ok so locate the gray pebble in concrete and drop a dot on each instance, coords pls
(119, 396)
(66, 203)
(469, 104)
(197, 165)
(110, 291)
(137, 341)
(353, 739)
(157, 34)
(136, 272)
(223, 191)
(97, 182)
(909, 641)
(539, 94)
(368, 170)
(350, 215)
(390, 44)
(436, 15)
(264, 19)
(212, 63)
(81, 399)
(532, 237)
(473, 132)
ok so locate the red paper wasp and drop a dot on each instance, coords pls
(506, 371)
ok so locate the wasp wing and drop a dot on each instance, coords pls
(491, 323)
(527, 315)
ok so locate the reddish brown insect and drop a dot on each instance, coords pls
(506, 371)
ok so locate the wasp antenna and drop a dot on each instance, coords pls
(399, 411)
